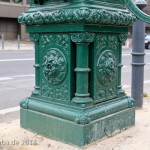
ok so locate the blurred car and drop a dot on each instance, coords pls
(147, 41)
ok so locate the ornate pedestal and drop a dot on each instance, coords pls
(78, 96)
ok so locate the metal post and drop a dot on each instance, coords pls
(18, 41)
(2, 41)
(138, 48)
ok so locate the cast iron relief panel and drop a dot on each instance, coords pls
(54, 66)
(54, 62)
(106, 67)
(59, 40)
(77, 15)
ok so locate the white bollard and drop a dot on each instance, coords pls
(2, 41)
(18, 41)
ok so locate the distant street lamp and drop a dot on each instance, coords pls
(138, 47)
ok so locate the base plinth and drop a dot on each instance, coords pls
(73, 133)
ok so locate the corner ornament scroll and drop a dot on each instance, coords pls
(137, 12)
(34, 37)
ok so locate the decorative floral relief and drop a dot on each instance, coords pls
(78, 15)
(105, 93)
(54, 66)
(101, 41)
(59, 39)
(106, 67)
(59, 93)
(112, 41)
(104, 40)
(34, 37)
(123, 37)
(83, 118)
(82, 37)
(46, 39)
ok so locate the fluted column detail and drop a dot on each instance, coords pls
(82, 40)
(35, 38)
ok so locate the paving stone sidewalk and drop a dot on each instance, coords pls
(12, 137)
(13, 45)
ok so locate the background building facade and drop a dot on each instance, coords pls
(147, 10)
(9, 12)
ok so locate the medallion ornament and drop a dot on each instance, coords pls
(106, 67)
(54, 66)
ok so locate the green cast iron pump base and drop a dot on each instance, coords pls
(78, 97)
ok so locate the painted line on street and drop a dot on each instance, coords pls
(5, 78)
(126, 54)
(24, 75)
(126, 66)
(23, 59)
(17, 76)
(148, 81)
(9, 110)
(126, 86)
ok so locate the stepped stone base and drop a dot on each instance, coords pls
(76, 134)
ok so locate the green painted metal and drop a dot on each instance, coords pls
(76, 134)
(77, 15)
(137, 12)
(78, 97)
(78, 115)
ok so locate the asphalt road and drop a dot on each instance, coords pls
(17, 79)
(126, 72)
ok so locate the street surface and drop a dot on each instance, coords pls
(126, 72)
(17, 79)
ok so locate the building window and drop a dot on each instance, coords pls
(11, 1)
(8, 1)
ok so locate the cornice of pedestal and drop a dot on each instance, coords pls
(82, 15)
